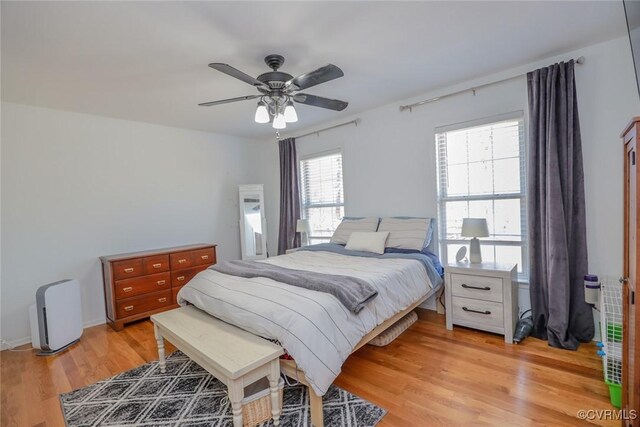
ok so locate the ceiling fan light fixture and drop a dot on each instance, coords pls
(290, 115)
(279, 121)
(278, 91)
(262, 114)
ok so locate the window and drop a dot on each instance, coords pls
(322, 194)
(482, 174)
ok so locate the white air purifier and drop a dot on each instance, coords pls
(56, 317)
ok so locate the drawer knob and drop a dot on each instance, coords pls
(476, 311)
(163, 299)
(158, 265)
(480, 288)
(127, 289)
(205, 257)
(128, 308)
(182, 261)
(128, 270)
(161, 282)
(180, 278)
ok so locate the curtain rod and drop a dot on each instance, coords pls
(471, 89)
(317, 132)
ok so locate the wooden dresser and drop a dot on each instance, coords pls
(631, 318)
(139, 284)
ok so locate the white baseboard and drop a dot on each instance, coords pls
(95, 322)
(15, 343)
(6, 345)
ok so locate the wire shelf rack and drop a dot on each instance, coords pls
(611, 335)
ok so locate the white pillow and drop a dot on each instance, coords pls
(367, 241)
(407, 233)
(349, 225)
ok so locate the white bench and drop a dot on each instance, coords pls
(234, 356)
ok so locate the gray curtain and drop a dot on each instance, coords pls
(289, 196)
(556, 209)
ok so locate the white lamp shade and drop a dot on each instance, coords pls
(279, 122)
(302, 226)
(262, 114)
(474, 227)
(290, 115)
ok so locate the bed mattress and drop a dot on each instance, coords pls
(313, 327)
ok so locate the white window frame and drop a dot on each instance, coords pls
(523, 277)
(303, 207)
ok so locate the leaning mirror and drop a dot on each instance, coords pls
(253, 224)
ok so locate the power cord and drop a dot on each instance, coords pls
(444, 308)
(524, 312)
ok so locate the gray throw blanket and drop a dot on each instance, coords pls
(352, 292)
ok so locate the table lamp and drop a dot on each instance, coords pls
(475, 227)
(303, 227)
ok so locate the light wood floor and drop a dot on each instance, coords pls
(427, 377)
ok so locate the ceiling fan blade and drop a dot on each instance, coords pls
(234, 72)
(226, 101)
(318, 101)
(321, 75)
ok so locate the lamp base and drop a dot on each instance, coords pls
(304, 239)
(475, 257)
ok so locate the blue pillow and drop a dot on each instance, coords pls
(433, 257)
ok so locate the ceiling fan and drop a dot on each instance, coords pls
(279, 90)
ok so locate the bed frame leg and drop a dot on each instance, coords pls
(315, 407)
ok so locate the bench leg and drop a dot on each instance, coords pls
(160, 341)
(274, 379)
(236, 394)
(315, 407)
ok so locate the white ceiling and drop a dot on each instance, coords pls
(147, 61)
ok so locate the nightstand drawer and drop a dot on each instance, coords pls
(477, 287)
(478, 314)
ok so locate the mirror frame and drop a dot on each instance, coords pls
(243, 191)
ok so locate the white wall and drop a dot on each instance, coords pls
(390, 165)
(75, 187)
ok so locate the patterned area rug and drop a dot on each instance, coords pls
(187, 395)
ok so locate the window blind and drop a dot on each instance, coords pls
(481, 173)
(322, 194)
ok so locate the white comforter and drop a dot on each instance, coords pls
(314, 327)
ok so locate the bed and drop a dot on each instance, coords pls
(314, 327)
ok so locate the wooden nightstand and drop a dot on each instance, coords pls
(482, 296)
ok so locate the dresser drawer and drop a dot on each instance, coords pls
(128, 288)
(141, 304)
(182, 277)
(155, 264)
(478, 314)
(127, 268)
(174, 294)
(204, 257)
(181, 260)
(477, 287)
